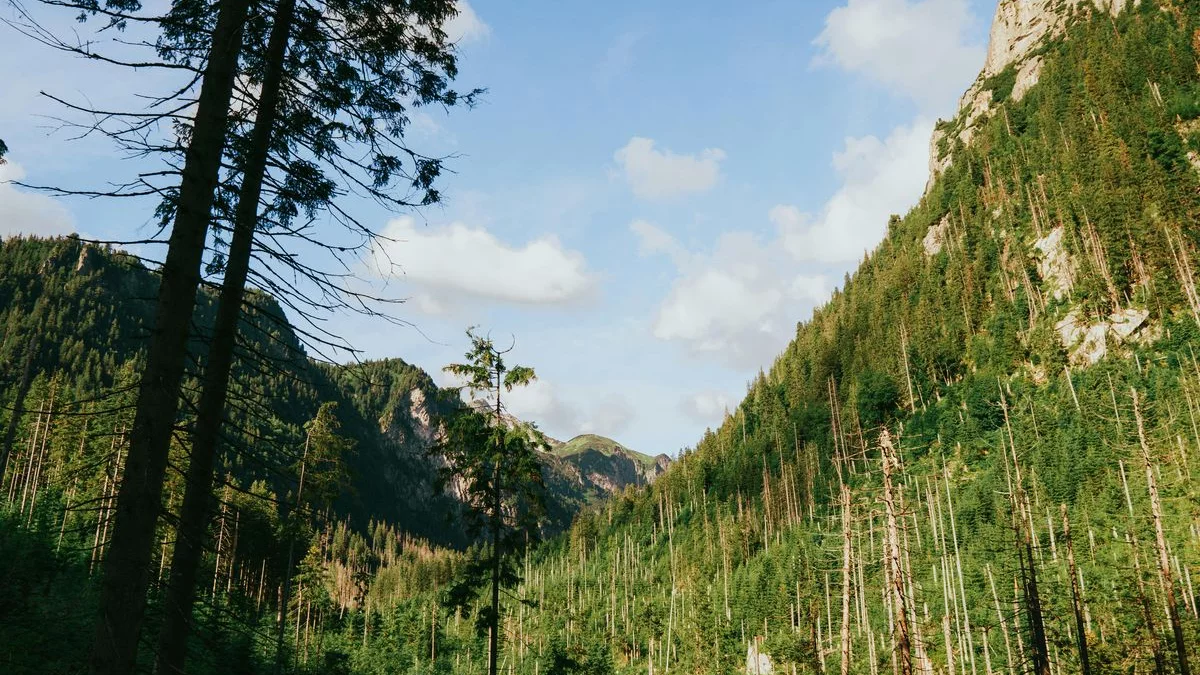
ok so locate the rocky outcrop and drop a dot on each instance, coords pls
(1018, 29)
(935, 238)
(89, 259)
(757, 662)
(1088, 342)
(600, 466)
(1027, 76)
(1054, 263)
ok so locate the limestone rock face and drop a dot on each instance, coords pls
(1027, 76)
(935, 238)
(1087, 343)
(1019, 28)
(758, 663)
(1054, 264)
(89, 259)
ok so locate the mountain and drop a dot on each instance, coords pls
(604, 467)
(979, 456)
(75, 315)
(1026, 335)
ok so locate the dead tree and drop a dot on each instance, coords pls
(1160, 540)
(894, 557)
(1077, 602)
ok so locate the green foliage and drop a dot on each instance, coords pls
(1001, 84)
(877, 397)
(493, 461)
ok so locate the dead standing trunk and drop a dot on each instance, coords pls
(1076, 596)
(126, 568)
(893, 558)
(1160, 540)
(193, 519)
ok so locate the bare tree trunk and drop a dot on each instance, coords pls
(126, 567)
(193, 518)
(1160, 661)
(1164, 559)
(285, 592)
(894, 570)
(1023, 535)
(1076, 595)
(847, 580)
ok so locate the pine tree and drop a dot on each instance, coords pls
(491, 461)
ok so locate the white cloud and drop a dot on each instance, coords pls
(618, 58)
(544, 404)
(30, 213)
(662, 174)
(708, 407)
(653, 239)
(739, 302)
(920, 49)
(457, 262)
(466, 26)
(541, 403)
(610, 416)
(879, 178)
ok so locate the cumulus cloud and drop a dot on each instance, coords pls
(544, 404)
(541, 402)
(466, 26)
(610, 416)
(879, 178)
(738, 302)
(662, 174)
(30, 213)
(920, 49)
(458, 261)
(708, 407)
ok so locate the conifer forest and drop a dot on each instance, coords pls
(978, 455)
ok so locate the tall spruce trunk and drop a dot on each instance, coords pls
(894, 560)
(193, 519)
(494, 633)
(286, 592)
(122, 601)
(1160, 540)
(1023, 536)
(1076, 596)
(497, 523)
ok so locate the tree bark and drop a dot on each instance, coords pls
(126, 576)
(894, 571)
(1076, 596)
(193, 519)
(1160, 540)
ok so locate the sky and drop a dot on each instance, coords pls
(645, 202)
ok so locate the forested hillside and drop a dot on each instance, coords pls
(1024, 339)
(75, 317)
(978, 456)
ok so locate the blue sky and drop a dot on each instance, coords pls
(648, 198)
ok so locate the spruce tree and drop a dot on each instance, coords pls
(491, 461)
(395, 56)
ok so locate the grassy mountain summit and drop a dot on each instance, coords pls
(605, 467)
